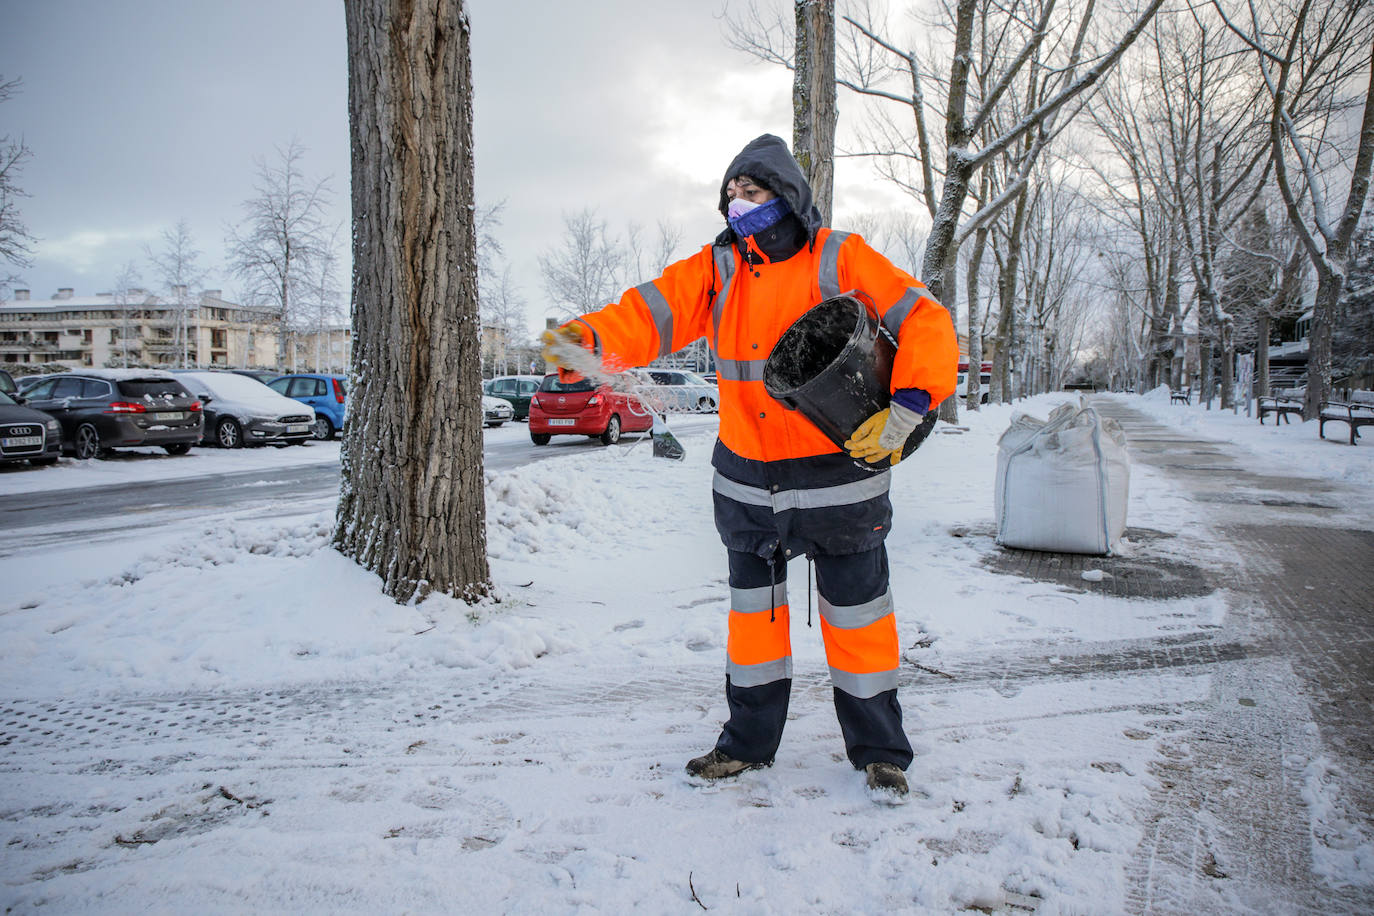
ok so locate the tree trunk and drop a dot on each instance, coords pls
(937, 271)
(1330, 284)
(973, 382)
(1163, 343)
(1228, 362)
(1007, 282)
(1262, 353)
(1205, 350)
(411, 503)
(813, 99)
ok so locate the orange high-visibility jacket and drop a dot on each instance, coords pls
(743, 308)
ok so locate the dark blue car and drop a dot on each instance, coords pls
(325, 393)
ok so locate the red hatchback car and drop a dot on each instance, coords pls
(584, 408)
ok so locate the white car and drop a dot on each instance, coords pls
(496, 411)
(678, 389)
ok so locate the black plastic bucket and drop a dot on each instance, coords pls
(834, 366)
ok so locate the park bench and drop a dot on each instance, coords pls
(1357, 409)
(1184, 395)
(1281, 402)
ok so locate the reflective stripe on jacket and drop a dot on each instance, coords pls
(743, 308)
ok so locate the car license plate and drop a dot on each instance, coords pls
(562, 422)
(170, 415)
(298, 428)
(21, 441)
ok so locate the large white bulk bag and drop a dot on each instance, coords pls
(1062, 483)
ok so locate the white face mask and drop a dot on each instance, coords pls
(738, 207)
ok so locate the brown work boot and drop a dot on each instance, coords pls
(886, 778)
(717, 765)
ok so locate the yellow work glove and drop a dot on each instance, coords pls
(883, 435)
(557, 341)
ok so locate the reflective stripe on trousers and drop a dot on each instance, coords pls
(759, 648)
(861, 645)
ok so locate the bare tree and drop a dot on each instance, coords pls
(504, 308)
(1055, 55)
(1312, 58)
(1060, 245)
(1025, 32)
(490, 253)
(15, 240)
(411, 506)
(645, 260)
(585, 270)
(1250, 279)
(175, 266)
(282, 233)
(1142, 254)
(127, 294)
(321, 305)
(1215, 165)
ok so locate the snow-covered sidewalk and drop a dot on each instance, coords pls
(241, 722)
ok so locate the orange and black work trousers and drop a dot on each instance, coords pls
(860, 634)
(824, 507)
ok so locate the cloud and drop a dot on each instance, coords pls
(84, 249)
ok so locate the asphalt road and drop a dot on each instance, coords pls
(31, 520)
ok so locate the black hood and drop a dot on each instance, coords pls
(767, 160)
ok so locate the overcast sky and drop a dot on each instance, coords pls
(142, 112)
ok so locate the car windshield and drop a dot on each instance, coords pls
(694, 379)
(232, 386)
(551, 383)
(151, 388)
(6, 399)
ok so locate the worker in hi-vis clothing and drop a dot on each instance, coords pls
(781, 488)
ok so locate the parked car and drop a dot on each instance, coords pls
(584, 408)
(7, 385)
(518, 389)
(676, 389)
(984, 381)
(326, 394)
(104, 409)
(496, 411)
(261, 375)
(27, 434)
(242, 411)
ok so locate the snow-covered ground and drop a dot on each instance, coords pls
(231, 720)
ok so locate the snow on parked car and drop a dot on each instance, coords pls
(240, 411)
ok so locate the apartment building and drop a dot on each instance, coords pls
(139, 328)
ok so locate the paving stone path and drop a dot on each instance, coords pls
(1235, 829)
